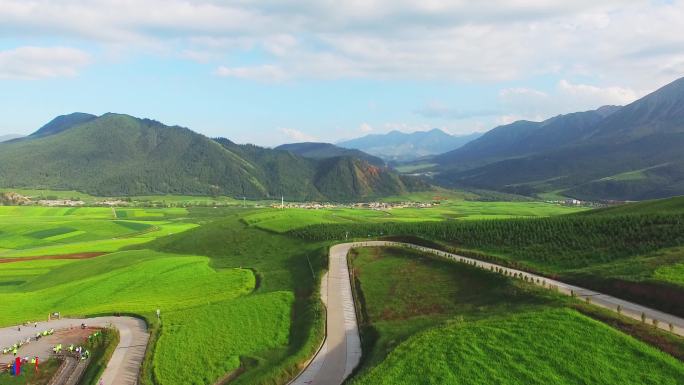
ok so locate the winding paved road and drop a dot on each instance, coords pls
(123, 367)
(341, 350)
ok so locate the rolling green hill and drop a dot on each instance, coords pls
(659, 206)
(116, 154)
(619, 153)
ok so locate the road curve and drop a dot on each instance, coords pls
(340, 352)
(124, 366)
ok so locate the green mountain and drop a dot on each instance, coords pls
(122, 155)
(627, 153)
(316, 150)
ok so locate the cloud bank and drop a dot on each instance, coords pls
(639, 41)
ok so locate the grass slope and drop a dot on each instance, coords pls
(542, 347)
(659, 206)
(430, 321)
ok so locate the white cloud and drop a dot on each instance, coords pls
(636, 43)
(566, 97)
(597, 96)
(296, 135)
(41, 62)
(365, 128)
(263, 73)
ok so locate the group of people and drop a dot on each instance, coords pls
(44, 333)
(14, 349)
(81, 352)
(14, 368)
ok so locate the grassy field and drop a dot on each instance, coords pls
(429, 321)
(541, 347)
(633, 256)
(282, 265)
(238, 292)
(39, 231)
(289, 219)
(232, 297)
(660, 206)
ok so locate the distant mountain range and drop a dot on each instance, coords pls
(116, 154)
(399, 146)
(316, 150)
(625, 153)
(4, 138)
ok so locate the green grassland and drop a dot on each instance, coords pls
(233, 298)
(428, 321)
(278, 220)
(542, 347)
(199, 305)
(238, 286)
(619, 254)
(660, 206)
(31, 231)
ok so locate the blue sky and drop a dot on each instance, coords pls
(271, 72)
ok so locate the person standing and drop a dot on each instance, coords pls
(17, 366)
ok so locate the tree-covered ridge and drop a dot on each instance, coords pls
(118, 154)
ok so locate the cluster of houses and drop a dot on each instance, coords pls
(359, 205)
(60, 203)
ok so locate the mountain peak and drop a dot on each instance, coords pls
(399, 146)
(63, 122)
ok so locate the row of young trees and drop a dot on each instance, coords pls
(562, 242)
